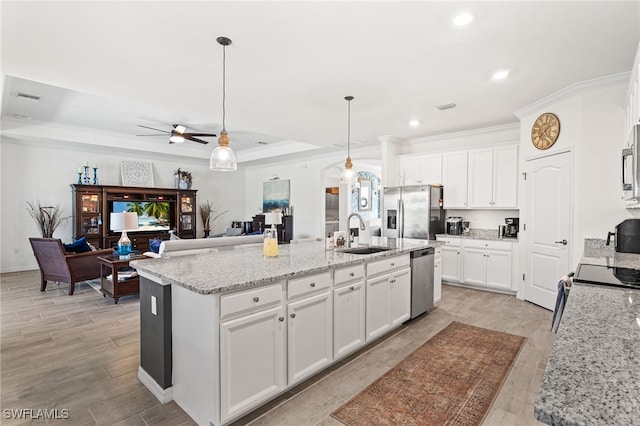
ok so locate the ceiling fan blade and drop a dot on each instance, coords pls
(152, 128)
(200, 134)
(189, 137)
(151, 135)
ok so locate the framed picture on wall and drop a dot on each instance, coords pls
(137, 173)
(275, 195)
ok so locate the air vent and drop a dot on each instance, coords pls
(28, 96)
(262, 143)
(445, 106)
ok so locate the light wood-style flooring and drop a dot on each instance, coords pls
(81, 353)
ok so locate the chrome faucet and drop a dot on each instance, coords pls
(363, 226)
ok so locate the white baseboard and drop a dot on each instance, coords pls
(163, 395)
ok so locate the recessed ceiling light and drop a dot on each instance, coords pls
(414, 123)
(500, 74)
(463, 19)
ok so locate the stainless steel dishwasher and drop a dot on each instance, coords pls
(421, 281)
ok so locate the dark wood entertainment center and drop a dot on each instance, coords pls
(92, 205)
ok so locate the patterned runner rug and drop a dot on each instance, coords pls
(452, 379)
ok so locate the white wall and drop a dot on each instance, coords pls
(43, 170)
(592, 127)
(307, 186)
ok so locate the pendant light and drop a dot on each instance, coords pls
(223, 159)
(348, 174)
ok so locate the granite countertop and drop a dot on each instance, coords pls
(481, 234)
(593, 373)
(247, 267)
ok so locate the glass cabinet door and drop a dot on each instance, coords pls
(89, 203)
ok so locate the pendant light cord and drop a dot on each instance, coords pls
(349, 130)
(224, 84)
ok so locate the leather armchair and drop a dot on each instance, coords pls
(58, 265)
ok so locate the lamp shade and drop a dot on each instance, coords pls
(124, 221)
(273, 218)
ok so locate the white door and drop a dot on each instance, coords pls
(399, 297)
(499, 269)
(437, 276)
(252, 360)
(377, 307)
(547, 220)
(454, 179)
(475, 266)
(451, 264)
(310, 336)
(348, 318)
(480, 178)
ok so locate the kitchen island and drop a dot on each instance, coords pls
(593, 375)
(242, 328)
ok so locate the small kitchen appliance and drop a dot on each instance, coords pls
(454, 225)
(627, 236)
(512, 226)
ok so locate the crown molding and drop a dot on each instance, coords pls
(468, 133)
(571, 90)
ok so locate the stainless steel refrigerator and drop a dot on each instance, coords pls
(413, 212)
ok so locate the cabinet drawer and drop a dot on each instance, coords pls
(453, 242)
(387, 264)
(488, 244)
(245, 302)
(308, 285)
(344, 275)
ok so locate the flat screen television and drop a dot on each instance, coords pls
(152, 215)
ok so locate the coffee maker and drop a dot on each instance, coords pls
(512, 227)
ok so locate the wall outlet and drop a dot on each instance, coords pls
(154, 305)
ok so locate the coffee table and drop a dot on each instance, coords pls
(114, 287)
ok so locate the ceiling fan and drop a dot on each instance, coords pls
(178, 134)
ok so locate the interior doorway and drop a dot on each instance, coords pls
(332, 210)
(548, 226)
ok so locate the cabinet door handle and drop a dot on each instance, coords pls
(292, 315)
(312, 284)
(256, 299)
(352, 274)
(351, 288)
(281, 319)
(393, 264)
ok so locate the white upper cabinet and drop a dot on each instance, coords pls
(454, 179)
(421, 169)
(493, 177)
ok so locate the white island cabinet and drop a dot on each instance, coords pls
(349, 306)
(310, 326)
(244, 329)
(388, 294)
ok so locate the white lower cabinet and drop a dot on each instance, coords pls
(310, 326)
(310, 335)
(349, 308)
(451, 269)
(488, 263)
(437, 275)
(252, 360)
(388, 295)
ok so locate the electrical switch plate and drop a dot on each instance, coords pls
(154, 306)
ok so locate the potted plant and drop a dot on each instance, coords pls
(206, 210)
(183, 179)
(48, 218)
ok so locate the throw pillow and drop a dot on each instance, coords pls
(154, 245)
(78, 246)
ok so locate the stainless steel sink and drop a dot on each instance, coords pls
(366, 250)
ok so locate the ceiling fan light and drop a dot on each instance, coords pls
(180, 129)
(176, 139)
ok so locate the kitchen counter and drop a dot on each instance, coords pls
(246, 267)
(481, 234)
(593, 373)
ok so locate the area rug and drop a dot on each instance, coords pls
(452, 379)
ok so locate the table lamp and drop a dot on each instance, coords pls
(124, 221)
(270, 245)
